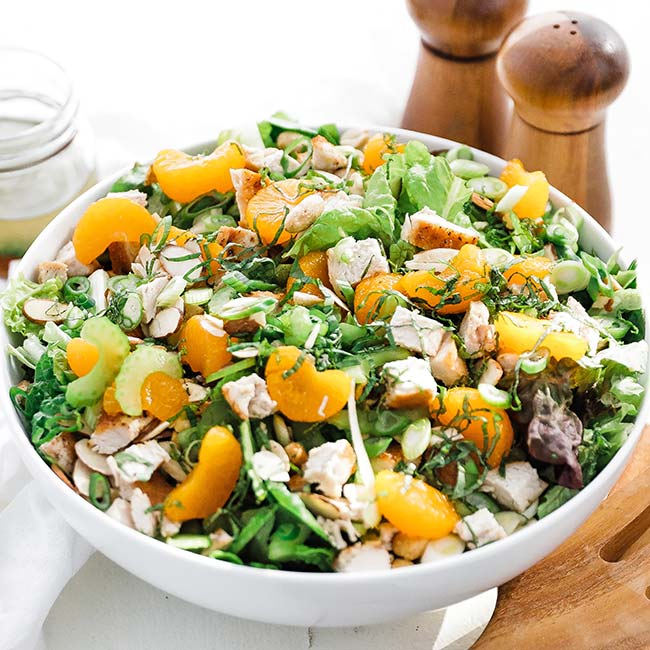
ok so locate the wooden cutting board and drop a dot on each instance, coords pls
(593, 593)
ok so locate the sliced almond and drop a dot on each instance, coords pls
(81, 477)
(42, 310)
(166, 322)
(325, 506)
(481, 201)
(175, 261)
(91, 458)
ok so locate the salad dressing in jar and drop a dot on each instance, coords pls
(46, 149)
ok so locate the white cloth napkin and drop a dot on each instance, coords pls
(39, 553)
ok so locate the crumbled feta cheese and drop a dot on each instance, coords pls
(415, 332)
(135, 196)
(137, 462)
(476, 331)
(479, 528)
(350, 261)
(334, 528)
(272, 464)
(330, 465)
(577, 321)
(426, 229)
(249, 397)
(409, 383)
(370, 556)
(518, 488)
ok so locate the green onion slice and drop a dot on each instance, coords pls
(495, 396)
(569, 276)
(246, 306)
(99, 491)
(416, 438)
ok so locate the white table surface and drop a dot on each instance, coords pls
(165, 74)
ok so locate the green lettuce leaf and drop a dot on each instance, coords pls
(553, 498)
(435, 186)
(334, 225)
(14, 296)
(379, 198)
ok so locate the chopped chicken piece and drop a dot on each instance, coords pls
(369, 556)
(327, 156)
(479, 528)
(249, 397)
(238, 242)
(137, 462)
(426, 229)
(409, 383)
(113, 432)
(350, 261)
(247, 184)
(415, 332)
(144, 519)
(61, 450)
(122, 254)
(330, 465)
(355, 138)
(169, 528)
(335, 529)
(149, 293)
(135, 196)
(519, 487)
(301, 216)
(271, 158)
(446, 365)
(120, 510)
(476, 331)
(68, 257)
(272, 464)
(49, 270)
(492, 373)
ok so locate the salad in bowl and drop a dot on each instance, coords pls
(325, 350)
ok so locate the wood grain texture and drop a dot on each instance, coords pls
(562, 70)
(455, 91)
(593, 592)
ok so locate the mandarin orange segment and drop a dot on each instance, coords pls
(533, 204)
(414, 507)
(109, 220)
(375, 297)
(204, 345)
(529, 271)
(486, 426)
(519, 333)
(376, 148)
(303, 393)
(81, 355)
(163, 396)
(109, 402)
(211, 482)
(266, 211)
(313, 265)
(453, 289)
(183, 177)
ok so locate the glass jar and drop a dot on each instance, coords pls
(46, 148)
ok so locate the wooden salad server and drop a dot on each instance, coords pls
(593, 593)
(455, 92)
(563, 69)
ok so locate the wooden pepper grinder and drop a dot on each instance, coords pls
(455, 92)
(563, 69)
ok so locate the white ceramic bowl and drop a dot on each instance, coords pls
(294, 598)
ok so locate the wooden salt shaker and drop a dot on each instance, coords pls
(455, 92)
(563, 69)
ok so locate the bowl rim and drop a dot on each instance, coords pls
(41, 472)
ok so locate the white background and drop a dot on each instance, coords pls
(165, 74)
